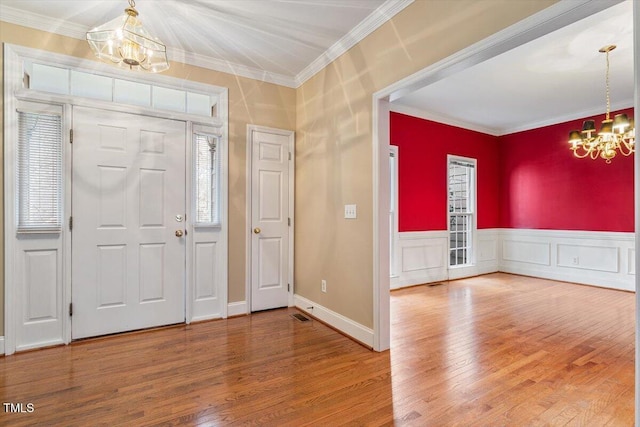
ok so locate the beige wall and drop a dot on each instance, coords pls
(331, 114)
(333, 140)
(250, 102)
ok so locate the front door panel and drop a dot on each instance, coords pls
(128, 264)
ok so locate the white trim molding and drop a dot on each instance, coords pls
(56, 329)
(371, 23)
(238, 308)
(355, 330)
(423, 257)
(596, 258)
(1, 345)
(435, 117)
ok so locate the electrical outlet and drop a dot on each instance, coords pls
(324, 286)
(575, 260)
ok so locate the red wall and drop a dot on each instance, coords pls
(423, 146)
(543, 186)
(525, 180)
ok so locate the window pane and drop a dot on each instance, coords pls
(91, 86)
(39, 172)
(169, 99)
(206, 178)
(198, 104)
(460, 178)
(50, 79)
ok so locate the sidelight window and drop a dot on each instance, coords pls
(206, 153)
(39, 168)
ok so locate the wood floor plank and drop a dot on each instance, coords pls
(493, 350)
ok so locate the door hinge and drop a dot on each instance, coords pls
(70, 223)
(70, 309)
(288, 287)
(289, 221)
(289, 155)
(70, 136)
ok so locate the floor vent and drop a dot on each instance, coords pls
(300, 317)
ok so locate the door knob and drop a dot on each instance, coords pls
(257, 230)
(179, 233)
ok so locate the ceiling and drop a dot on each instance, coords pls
(555, 78)
(280, 41)
(552, 79)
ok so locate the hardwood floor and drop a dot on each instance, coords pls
(488, 351)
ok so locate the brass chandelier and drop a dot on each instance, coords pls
(617, 135)
(124, 42)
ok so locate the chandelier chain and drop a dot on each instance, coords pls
(132, 3)
(607, 84)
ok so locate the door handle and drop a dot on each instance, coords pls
(257, 230)
(179, 233)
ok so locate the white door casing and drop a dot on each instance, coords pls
(34, 253)
(270, 208)
(128, 185)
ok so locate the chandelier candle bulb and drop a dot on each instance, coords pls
(617, 135)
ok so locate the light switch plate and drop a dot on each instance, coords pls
(350, 211)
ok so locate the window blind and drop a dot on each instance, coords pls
(207, 166)
(39, 172)
(461, 163)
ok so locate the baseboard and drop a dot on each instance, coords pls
(205, 318)
(2, 345)
(343, 324)
(568, 277)
(237, 309)
(473, 270)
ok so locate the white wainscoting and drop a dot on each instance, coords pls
(589, 257)
(423, 257)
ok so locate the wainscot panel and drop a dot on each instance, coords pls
(588, 257)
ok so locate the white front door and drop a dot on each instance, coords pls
(270, 219)
(128, 265)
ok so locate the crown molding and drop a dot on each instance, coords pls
(435, 117)
(210, 63)
(378, 17)
(599, 111)
(42, 22)
(382, 14)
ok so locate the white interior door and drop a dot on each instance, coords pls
(270, 221)
(128, 264)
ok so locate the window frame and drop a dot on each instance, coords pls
(470, 213)
(216, 199)
(56, 226)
